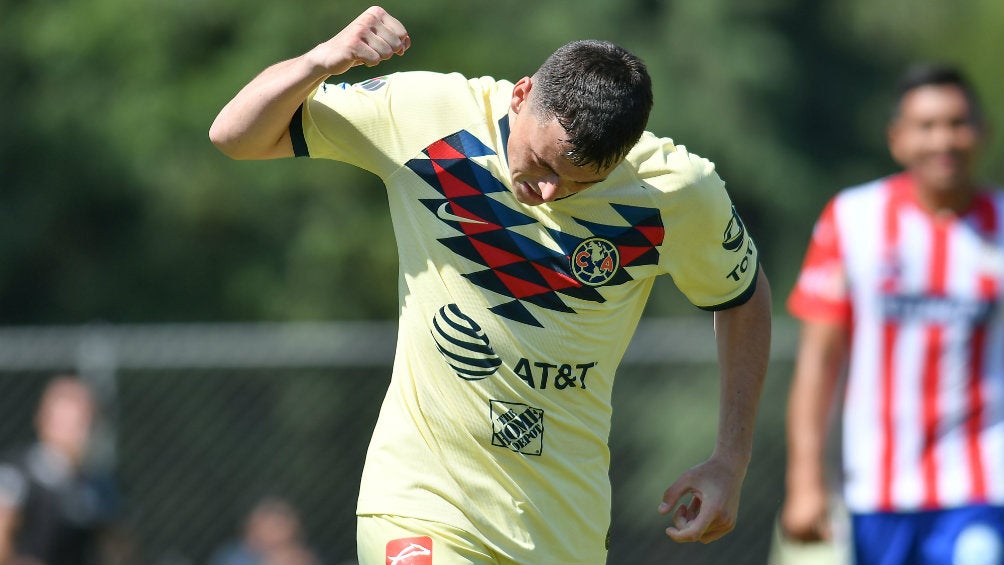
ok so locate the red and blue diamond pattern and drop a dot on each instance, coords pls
(516, 266)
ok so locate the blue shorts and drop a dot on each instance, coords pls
(971, 535)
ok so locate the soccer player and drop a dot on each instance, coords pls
(531, 218)
(901, 288)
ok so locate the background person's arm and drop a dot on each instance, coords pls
(822, 355)
(8, 521)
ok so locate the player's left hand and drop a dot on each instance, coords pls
(714, 488)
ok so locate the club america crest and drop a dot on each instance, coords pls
(595, 261)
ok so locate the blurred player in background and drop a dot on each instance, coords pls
(901, 288)
(52, 510)
(272, 535)
(531, 219)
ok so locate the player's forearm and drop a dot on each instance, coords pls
(8, 519)
(743, 335)
(806, 437)
(255, 123)
(820, 360)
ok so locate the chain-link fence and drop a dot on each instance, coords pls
(201, 421)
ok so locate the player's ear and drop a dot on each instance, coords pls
(520, 94)
(894, 140)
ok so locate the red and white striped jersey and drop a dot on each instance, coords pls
(923, 416)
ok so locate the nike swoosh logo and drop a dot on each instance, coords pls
(443, 213)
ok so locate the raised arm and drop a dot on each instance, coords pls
(743, 335)
(255, 123)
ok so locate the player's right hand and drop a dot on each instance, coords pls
(372, 37)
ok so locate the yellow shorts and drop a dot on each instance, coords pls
(395, 540)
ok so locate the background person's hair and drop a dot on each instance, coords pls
(937, 74)
(600, 93)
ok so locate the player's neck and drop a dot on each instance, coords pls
(940, 199)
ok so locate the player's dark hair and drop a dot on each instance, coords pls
(937, 74)
(600, 93)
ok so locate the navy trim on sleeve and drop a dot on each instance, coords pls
(296, 134)
(739, 300)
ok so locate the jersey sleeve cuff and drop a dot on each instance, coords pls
(296, 134)
(738, 300)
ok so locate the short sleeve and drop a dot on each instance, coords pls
(345, 122)
(380, 123)
(821, 291)
(709, 253)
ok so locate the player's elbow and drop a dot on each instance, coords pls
(227, 143)
(246, 147)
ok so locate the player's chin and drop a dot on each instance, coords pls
(526, 195)
(945, 170)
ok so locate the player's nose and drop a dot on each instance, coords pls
(549, 188)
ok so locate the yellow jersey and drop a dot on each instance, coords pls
(514, 318)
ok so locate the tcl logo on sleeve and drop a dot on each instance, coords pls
(410, 551)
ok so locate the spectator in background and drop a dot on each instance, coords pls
(53, 511)
(901, 287)
(272, 535)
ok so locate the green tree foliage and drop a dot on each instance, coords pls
(115, 205)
